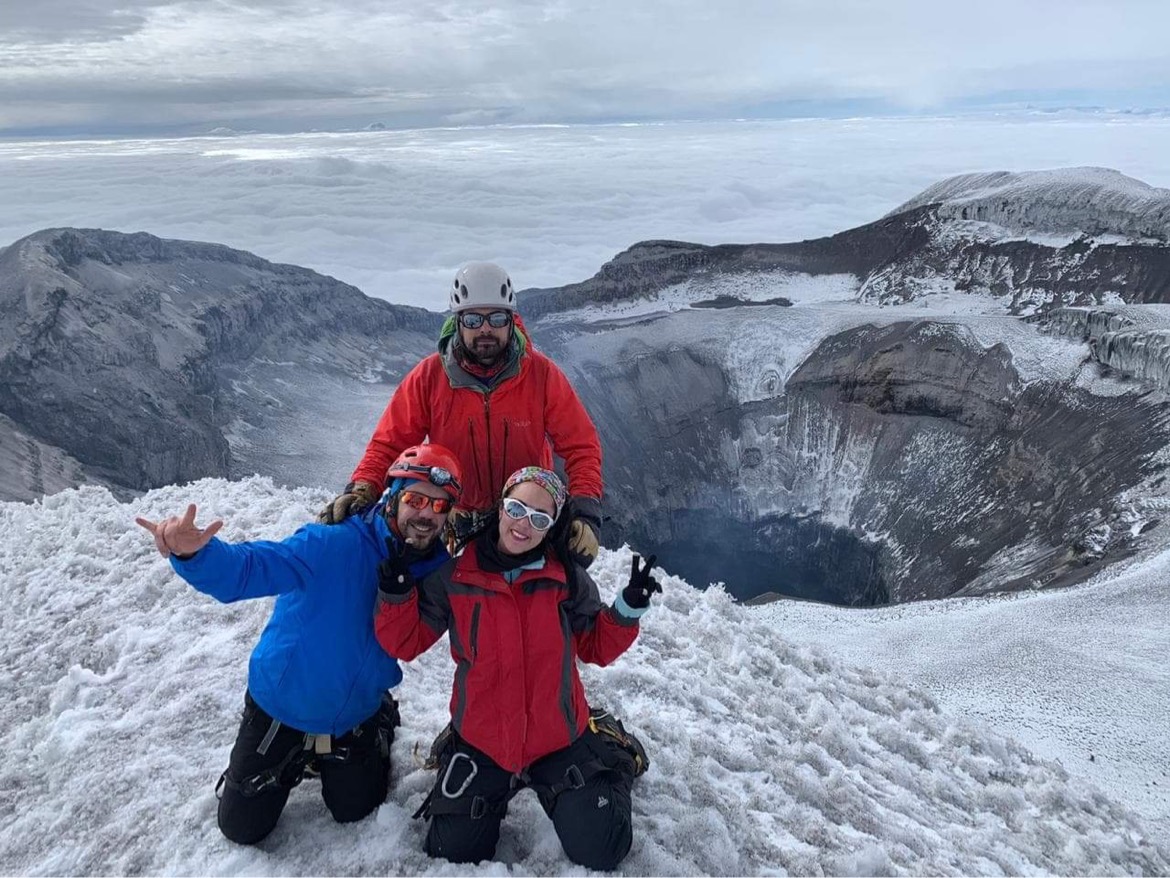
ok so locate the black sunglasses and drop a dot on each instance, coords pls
(496, 320)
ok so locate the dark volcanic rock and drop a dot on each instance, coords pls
(1031, 276)
(122, 350)
(651, 266)
(974, 480)
(917, 369)
(898, 462)
(733, 302)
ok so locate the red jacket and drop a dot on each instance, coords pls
(517, 695)
(493, 430)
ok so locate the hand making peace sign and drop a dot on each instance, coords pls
(179, 536)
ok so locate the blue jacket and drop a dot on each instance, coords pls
(317, 666)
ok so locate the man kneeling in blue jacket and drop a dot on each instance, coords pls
(317, 679)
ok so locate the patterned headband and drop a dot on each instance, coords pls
(547, 479)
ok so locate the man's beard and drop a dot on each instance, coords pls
(419, 532)
(486, 351)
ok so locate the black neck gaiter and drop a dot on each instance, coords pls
(492, 560)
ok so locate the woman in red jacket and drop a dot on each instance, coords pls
(519, 620)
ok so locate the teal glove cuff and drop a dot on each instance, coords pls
(624, 609)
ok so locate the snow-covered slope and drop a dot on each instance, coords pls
(1078, 674)
(1062, 201)
(121, 687)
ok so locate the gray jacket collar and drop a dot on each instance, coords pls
(460, 377)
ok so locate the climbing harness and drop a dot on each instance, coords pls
(304, 761)
(613, 748)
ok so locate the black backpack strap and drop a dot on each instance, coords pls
(611, 749)
(442, 748)
(475, 807)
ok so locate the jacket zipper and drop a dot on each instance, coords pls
(487, 422)
(474, 452)
(474, 640)
(504, 456)
(523, 674)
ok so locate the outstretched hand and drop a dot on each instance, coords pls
(642, 584)
(180, 536)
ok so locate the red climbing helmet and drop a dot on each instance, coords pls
(432, 463)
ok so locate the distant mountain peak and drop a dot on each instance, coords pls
(1087, 200)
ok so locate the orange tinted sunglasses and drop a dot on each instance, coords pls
(415, 500)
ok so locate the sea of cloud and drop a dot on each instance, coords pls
(396, 212)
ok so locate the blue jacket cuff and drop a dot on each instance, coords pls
(198, 561)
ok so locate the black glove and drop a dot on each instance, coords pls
(642, 584)
(394, 576)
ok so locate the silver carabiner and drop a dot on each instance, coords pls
(447, 776)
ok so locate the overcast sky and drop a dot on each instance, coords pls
(107, 66)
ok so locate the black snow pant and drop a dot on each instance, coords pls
(584, 788)
(270, 758)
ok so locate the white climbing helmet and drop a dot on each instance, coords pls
(482, 285)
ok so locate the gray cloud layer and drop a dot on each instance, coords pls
(98, 64)
(397, 212)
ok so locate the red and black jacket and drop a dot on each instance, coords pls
(517, 694)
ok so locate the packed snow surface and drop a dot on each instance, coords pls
(1078, 675)
(122, 686)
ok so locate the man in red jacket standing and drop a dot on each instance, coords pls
(497, 404)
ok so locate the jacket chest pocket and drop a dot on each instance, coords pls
(473, 633)
(466, 637)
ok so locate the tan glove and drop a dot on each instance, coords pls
(463, 525)
(356, 497)
(582, 541)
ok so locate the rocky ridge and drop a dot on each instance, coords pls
(138, 357)
(1034, 241)
(1134, 342)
